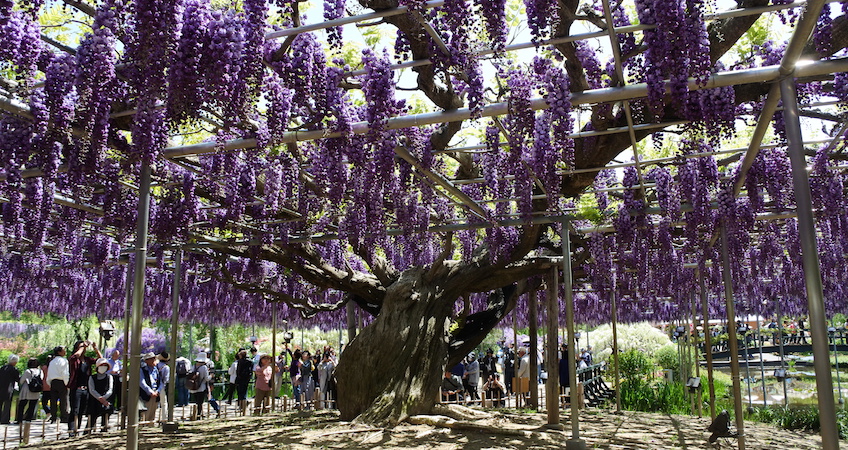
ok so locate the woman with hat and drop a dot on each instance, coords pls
(100, 389)
(149, 386)
(200, 391)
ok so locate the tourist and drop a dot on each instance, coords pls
(494, 390)
(307, 383)
(164, 377)
(522, 373)
(244, 370)
(294, 374)
(565, 367)
(282, 363)
(116, 370)
(451, 387)
(79, 367)
(182, 368)
(471, 379)
(231, 382)
(148, 382)
(254, 356)
(45, 391)
(326, 383)
(58, 375)
(28, 397)
(200, 391)
(101, 388)
(488, 365)
(509, 367)
(210, 367)
(9, 377)
(264, 373)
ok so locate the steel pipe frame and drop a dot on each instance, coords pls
(533, 313)
(574, 443)
(603, 95)
(138, 301)
(727, 279)
(615, 356)
(552, 362)
(175, 323)
(810, 263)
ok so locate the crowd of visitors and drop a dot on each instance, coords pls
(85, 384)
(472, 378)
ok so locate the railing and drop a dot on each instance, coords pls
(591, 391)
(42, 430)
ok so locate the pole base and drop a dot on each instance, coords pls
(575, 444)
(555, 426)
(170, 427)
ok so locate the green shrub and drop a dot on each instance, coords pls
(668, 358)
(634, 364)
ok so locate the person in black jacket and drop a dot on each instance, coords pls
(488, 365)
(9, 377)
(244, 371)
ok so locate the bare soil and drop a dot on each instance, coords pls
(601, 429)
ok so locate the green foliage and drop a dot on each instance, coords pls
(643, 395)
(634, 365)
(798, 418)
(668, 358)
(587, 208)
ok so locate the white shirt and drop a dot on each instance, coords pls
(524, 367)
(59, 370)
(232, 372)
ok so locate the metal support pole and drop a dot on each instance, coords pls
(838, 381)
(552, 384)
(812, 271)
(731, 336)
(708, 342)
(126, 349)
(533, 302)
(748, 370)
(575, 443)
(275, 390)
(615, 345)
(782, 355)
(699, 398)
(138, 298)
(175, 327)
(762, 363)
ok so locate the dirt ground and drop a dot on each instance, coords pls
(601, 429)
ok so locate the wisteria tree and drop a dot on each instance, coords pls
(324, 183)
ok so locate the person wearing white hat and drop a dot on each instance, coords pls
(149, 385)
(197, 382)
(100, 389)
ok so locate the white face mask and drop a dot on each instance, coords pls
(102, 369)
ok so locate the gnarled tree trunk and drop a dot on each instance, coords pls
(393, 368)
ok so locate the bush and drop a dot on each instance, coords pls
(668, 358)
(634, 364)
(643, 395)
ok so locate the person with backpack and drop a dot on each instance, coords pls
(196, 382)
(183, 365)
(148, 380)
(244, 371)
(32, 384)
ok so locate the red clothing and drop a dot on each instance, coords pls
(74, 364)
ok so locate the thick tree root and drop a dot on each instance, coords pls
(460, 412)
(447, 422)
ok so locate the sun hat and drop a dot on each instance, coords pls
(201, 358)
